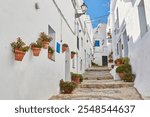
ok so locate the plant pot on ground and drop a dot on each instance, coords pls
(124, 71)
(72, 54)
(77, 78)
(19, 48)
(36, 47)
(45, 39)
(67, 87)
(64, 47)
(118, 61)
(50, 52)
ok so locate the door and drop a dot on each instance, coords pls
(67, 65)
(104, 60)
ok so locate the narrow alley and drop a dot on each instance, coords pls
(98, 84)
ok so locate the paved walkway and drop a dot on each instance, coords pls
(98, 84)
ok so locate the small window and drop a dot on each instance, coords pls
(78, 42)
(97, 43)
(81, 42)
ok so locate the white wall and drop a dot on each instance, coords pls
(102, 49)
(138, 45)
(34, 77)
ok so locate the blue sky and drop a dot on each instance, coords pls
(97, 8)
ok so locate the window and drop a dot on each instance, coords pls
(81, 42)
(78, 42)
(51, 33)
(142, 18)
(97, 43)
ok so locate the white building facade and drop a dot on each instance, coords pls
(38, 77)
(129, 24)
(100, 45)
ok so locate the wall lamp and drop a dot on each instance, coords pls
(84, 9)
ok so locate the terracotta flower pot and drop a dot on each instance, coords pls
(72, 56)
(19, 55)
(121, 75)
(45, 44)
(64, 49)
(76, 80)
(50, 55)
(68, 90)
(36, 51)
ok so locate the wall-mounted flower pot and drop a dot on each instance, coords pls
(19, 55)
(72, 55)
(64, 49)
(50, 55)
(45, 44)
(36, 51)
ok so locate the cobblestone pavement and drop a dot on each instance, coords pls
(98, 84)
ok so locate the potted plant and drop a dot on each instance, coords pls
(64, 47)
(50, 52)
(45, 39)
(120, 70)
(75, 77)
(125, 60)
(36, 47)
(19, 48)
(81, 78)
(67, 87)
(72, 54)
(124, 71)
(118, 61)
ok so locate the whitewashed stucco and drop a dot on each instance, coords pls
(138, 45)
(100, 35)
(34, 77)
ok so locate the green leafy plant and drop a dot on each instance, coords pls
(119, 60)
(125, 60)
(127, 70)
(73, 52)
(50, 50)
(37, 44)
(19, 45)
(44, 37)
(67, 87)
(65, 45)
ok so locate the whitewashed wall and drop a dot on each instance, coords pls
(34, 77)
(138, 46)
(102, 50)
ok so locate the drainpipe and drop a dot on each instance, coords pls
(112, 26)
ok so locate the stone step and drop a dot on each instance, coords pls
(98, 69)
(128, 93)
(97, 77)
(102, 84)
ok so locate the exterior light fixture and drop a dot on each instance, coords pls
(84, 9)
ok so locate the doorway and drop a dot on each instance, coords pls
(104, 60)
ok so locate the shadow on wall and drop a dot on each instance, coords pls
(139, 53)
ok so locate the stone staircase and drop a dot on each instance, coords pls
(98, 84)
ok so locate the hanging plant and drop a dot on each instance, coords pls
(19, 48)
(64, 47)
(50, 52)
(72, 54)
(36, 47)
(45, 39)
